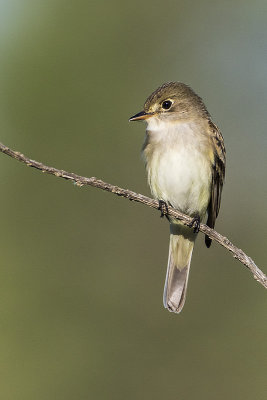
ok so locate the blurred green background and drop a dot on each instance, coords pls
(82, 271)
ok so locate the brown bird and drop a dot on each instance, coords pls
(185, 161)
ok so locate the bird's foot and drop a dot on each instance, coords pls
(195, 224)
(163, 207)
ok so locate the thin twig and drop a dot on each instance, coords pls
(81, 180)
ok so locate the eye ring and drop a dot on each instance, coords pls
(166, 104)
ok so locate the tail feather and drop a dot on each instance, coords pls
(181, 247)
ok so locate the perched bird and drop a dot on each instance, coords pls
(185, 161)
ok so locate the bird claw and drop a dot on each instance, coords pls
(195, 224)
(163, 207)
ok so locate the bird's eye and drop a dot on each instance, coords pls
(166, 105)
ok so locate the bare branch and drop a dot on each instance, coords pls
(81, 181)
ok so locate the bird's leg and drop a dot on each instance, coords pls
(163, 207)
(195, 224)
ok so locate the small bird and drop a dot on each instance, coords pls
(184, 155)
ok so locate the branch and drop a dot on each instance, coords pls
(81, 181)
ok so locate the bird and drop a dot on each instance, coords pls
(184, 155)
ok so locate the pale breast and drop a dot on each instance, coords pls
(179, 167)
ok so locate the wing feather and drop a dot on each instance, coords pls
(218, 173)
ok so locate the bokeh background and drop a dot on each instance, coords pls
(82, 271)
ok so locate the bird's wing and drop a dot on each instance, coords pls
(218, 172)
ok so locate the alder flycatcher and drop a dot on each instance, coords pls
(185, 161)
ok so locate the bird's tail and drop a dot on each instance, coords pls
(182, 241)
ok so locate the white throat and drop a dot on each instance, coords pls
(170, 132)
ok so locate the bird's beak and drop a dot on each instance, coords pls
(141, 116)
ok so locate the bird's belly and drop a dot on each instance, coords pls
(182, 179)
